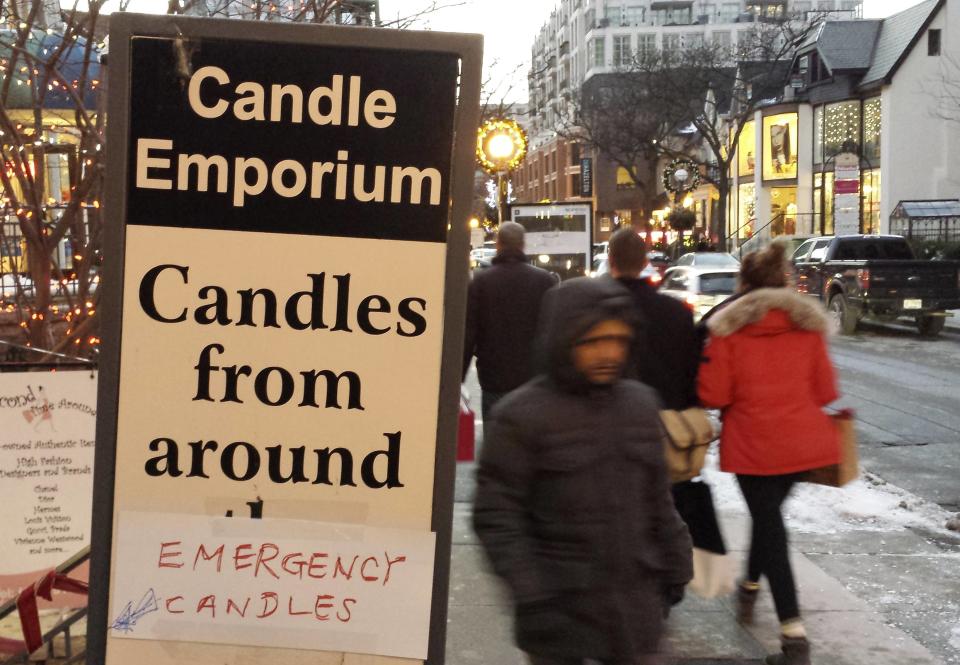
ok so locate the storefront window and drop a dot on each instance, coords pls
(818, 135)
(783, 211)
(624, 179)
(746, 218)
(823, 203)
(841, 126)
(870, 191)
(779, 146)
(746, 160)
(871, 130)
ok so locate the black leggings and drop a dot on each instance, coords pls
(768, 539)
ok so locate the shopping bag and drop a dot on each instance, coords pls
(838, 475)
(465, 431)
(713, 574)
(689, 433)
(713, 569)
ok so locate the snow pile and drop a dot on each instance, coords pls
(955, 637)
(866, 504)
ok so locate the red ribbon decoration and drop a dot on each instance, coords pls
(29, 614)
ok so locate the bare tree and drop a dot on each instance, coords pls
(614, 115)
(691, 102)
(944, 88)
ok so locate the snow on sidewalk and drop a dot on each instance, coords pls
(866, 504)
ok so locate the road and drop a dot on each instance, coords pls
(906, 394)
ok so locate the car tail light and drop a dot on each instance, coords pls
(691, 302)
(863, 278)
(656, 278)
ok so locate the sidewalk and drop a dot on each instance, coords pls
(843, 629)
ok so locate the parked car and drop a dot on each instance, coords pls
(482, 254)
(659, 260)
(708, 260)
(601, 266)
(876, 277)
(700, 287)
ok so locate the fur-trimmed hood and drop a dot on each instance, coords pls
(799, 311)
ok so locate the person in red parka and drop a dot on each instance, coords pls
(766, 367)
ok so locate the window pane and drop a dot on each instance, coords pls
(718, 283)
(871, 130)
(818, 135)
(646, 44)
(841, 126)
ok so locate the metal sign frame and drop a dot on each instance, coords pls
(469, 49)
(590, 220)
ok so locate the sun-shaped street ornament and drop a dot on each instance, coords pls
(501, 145)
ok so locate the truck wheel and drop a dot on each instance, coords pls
(930, 326)
(843, 317)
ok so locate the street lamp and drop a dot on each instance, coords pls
(501, 147)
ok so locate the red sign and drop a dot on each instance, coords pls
(846, 187)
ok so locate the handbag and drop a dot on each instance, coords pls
(689, 433)
(838, 475)
(465, 431)
(713, 569)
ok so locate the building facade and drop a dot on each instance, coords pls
(867, 120)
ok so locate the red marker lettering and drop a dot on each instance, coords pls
(164, 554)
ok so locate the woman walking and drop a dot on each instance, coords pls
(766, 367)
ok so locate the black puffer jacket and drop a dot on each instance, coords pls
(573, 502)
(503, 303)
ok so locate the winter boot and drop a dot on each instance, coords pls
(796, 651)
(746, 600)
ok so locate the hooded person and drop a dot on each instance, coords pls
(573, 501)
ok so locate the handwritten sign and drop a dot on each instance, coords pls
(47, 423)
(330, 586)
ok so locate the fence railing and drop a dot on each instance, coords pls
(62, 628)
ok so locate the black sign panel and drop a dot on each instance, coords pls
(291, 138)
(586, 177)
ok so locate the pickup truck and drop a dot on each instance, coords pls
(876, 277)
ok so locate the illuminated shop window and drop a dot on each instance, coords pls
(841, 126)
(780, 146)
(746, 160)
(871, 130)
(747, 217)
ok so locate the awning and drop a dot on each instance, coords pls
(926, 209)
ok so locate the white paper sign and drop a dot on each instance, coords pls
(47, 424)
(846, 214)
(272, 582)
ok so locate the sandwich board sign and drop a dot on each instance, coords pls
(283, 321)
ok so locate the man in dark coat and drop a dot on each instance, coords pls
(667, 353)
(666, 357)
(573, 500)
(502, 308)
